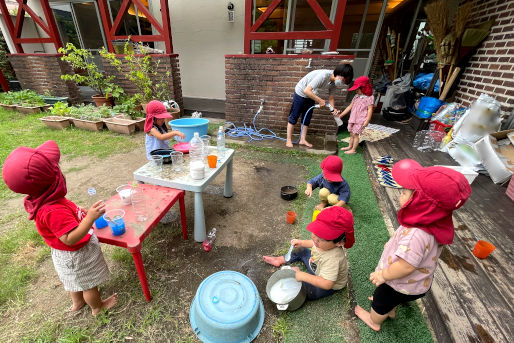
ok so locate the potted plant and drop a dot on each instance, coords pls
(146, 75)
(104, 85)
(129, 109)
(28, 101)
(87, 117)
(58, 118)
(7, 101)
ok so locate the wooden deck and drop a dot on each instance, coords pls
(471, 300)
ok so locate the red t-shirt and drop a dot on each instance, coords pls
(57, 219)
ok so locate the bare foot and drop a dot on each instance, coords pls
(391, 314)
(346, 148)
(106, 304)
(289, 144)
(366, 318)
(274, 261)
(77, 306)
(307, 144)
(350, 152)
(320, 207)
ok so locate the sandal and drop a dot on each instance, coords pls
(383, 167)
(391, 184)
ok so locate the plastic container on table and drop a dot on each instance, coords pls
(189, 126)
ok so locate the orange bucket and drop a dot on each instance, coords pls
(291, 216)
(482, 249)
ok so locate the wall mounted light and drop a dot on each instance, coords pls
(230, 8)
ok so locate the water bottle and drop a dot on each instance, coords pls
(137, 197)
(196, 159)
(221, 143)
(209, 241)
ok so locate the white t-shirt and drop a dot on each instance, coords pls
(317, 79)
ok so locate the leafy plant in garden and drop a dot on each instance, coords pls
(83, 59)
(25, 97)
(90, 112)
(143, 72)
(129, 106)
(60, 109)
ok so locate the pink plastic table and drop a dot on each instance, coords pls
(158, 202)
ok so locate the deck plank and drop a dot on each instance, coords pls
(473, 297)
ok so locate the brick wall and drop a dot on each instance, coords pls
(491, 69)
(42, 72)
(249, 78)
(163, 63)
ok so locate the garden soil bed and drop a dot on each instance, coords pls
(250, 224)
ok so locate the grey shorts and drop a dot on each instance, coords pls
(82, 269)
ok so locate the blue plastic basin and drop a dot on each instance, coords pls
(227, 308)
(189, 126)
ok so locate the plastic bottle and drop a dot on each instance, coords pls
(209, 241)
(221, 143)
(138, 200)
(100, 222)
(196, 160)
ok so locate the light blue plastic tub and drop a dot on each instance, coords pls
(227, 308)
(189, 126)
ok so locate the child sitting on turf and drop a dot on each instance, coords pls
(407, 265)
(64, 226)
(157, 134)
(334, 189)
(323, 255)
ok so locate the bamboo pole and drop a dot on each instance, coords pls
(449, 83)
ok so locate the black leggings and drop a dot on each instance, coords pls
(386, 298)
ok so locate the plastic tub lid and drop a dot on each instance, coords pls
(227, 302)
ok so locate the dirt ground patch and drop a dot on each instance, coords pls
(250, 224)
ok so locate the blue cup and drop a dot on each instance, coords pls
(118, 227)
(100, 223)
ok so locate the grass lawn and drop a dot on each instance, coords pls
(22, 251)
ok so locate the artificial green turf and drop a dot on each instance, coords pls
(370, 237)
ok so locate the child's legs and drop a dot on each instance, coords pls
(323, 194)
(332, 199)
(314, 293)
(385, 300)
(93, 298)
(78, 300)
(302, 254)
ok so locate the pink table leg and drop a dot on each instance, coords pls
(138, 260)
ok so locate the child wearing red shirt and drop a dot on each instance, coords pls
(64, 226)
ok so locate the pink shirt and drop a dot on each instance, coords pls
(359, 111)
(418, 248)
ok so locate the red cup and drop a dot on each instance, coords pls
(212, 160)
(291, 216)
(483, 249)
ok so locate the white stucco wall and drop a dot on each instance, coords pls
(202, 36)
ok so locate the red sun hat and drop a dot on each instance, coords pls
(363, 83)
(155, 109)
(331, 223)
(438, 191)
(332, 167)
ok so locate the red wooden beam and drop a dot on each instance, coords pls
(142, 38)
(248, 25)
(166, 26)
(52, 26)
(10, 25)
(106, 23)
(34, 16)
(320, 13)
(34, 40)
(19, 19)
(265, 15)
(149, 16)
(338, 22)
(119, 17)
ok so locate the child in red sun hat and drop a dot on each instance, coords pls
(407, 265)
(334, 190)
(324, 254)
(361, 110)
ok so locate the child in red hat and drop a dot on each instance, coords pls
(323, 255)
(361, 110)
(407, 265)
(64, 226)
(157, 134)
(334, 190)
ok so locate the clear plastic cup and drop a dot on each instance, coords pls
(124, 191)
(177, 160)
(157, 162)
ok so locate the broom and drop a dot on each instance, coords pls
(437, 17)
(461, 18)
